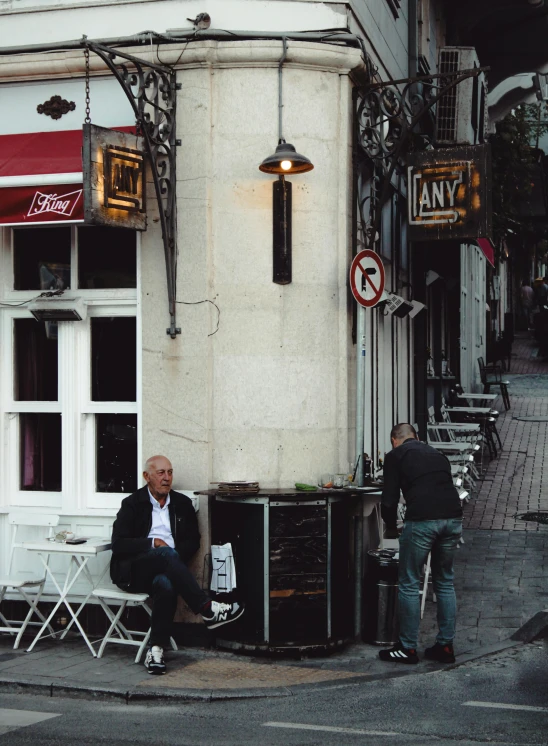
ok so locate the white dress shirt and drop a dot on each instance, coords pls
(161, 527)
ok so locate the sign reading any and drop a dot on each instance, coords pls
(449, 194)
(114, 178)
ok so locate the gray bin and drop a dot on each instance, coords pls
(380, 598)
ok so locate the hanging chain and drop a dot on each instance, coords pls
(87, 120)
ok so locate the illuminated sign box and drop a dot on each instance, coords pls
(114, 167)
(449, 194)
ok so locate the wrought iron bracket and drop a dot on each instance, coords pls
(151, 90)
(387, 116)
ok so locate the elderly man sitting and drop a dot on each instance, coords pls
(154, 535)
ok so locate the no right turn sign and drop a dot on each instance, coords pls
(367, 278)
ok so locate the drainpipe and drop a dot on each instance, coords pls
(412, 48)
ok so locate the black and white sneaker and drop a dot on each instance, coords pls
(220, 614)
(440, 653)
(399, 654)
(154, 660)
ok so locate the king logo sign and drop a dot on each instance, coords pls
(59, 204)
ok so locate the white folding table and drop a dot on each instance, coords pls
(80, 555)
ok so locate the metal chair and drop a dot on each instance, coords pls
(117, 633)
(21, 584)
(491, 375)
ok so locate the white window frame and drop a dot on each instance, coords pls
(78, 495)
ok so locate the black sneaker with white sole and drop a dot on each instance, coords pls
(219, 614)
(399, 654)
(440, 653)
(154, 660)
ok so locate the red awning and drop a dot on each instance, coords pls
(40, 177)
(488, 249)
(41, 153)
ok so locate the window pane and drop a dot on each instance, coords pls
(113, 359)
(35, 360)
(40, 452)
(41, 258)
(116, 452)
(107, 258)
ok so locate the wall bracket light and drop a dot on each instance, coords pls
(285, 160)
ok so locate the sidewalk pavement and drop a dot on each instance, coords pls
(501, 579)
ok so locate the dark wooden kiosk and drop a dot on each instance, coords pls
(294, 562)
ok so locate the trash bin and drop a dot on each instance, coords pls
(380, 598)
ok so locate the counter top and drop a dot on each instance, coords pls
(293, 494)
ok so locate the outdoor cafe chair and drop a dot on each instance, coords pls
(117, 633)
(491, 375)
(458, 395)
(21, 583)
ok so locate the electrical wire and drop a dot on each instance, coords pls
(47, 294)
(196, 303)
(172, 66)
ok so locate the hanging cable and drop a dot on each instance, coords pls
(196, 303)
(46, 294)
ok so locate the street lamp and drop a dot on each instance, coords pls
(285, 160)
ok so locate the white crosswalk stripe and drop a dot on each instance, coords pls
(11, 720)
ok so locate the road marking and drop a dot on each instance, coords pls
(502, 706)
(13, 719)
(332, 729)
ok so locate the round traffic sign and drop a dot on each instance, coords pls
(367, 278)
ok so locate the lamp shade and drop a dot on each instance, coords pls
(286, 160)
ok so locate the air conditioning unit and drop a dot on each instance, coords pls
(461, 112)
(58, 309)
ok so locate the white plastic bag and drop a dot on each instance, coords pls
(223, 578)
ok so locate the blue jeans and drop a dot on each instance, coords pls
(417, 540)
(163, 575)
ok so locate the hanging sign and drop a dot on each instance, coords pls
(449, 193)
(114, 168)
(367, 278)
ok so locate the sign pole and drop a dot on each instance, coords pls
(358, 528)
(367, 280)
(360, 393)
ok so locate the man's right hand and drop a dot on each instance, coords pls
(159, 543)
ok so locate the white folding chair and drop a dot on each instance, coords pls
(21, 584)
(117, 633)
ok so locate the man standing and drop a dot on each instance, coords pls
(153, 537)
(527, 301)
(433, 523)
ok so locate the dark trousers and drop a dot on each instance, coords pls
(163, 575)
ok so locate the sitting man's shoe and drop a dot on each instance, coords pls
(219, 614)
(154, 660)
(440, 653)
(399, 654)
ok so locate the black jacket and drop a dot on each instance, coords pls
(132, 527)
(424, 476)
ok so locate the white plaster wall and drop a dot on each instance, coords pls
(108, 107)
(265, 397)
(26, 22)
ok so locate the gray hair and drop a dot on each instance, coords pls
(148, 463)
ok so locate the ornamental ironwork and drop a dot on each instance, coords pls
(391, 119)
(152, 92)
(56, 107)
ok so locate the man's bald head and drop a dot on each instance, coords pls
(402, 432)
(158, 474)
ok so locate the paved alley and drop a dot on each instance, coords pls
(501, 573)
